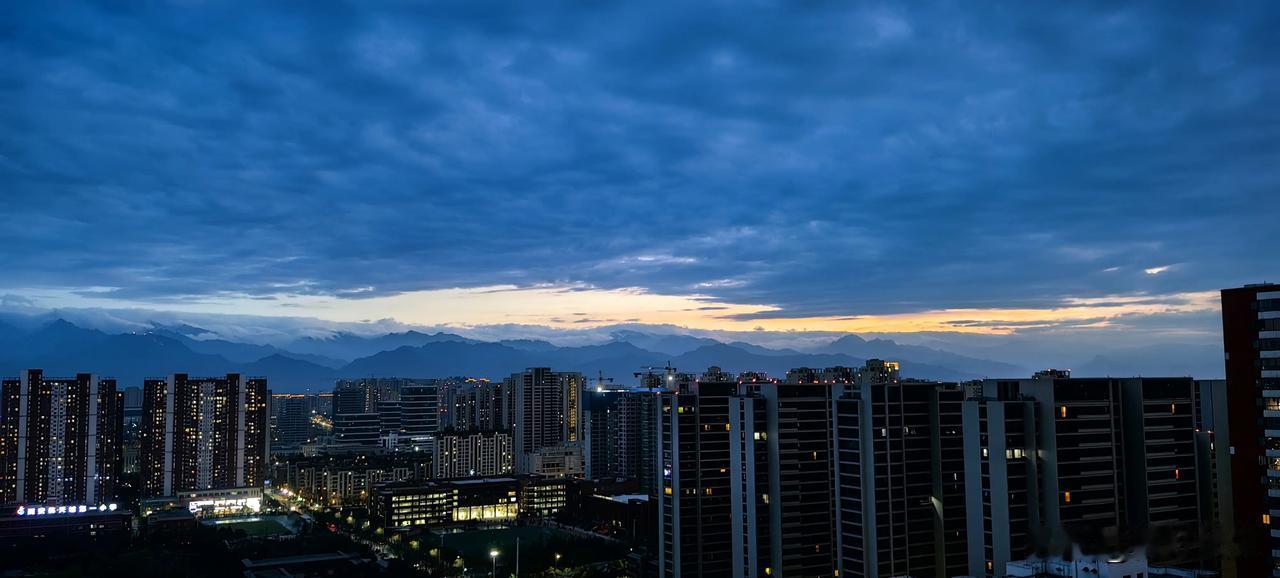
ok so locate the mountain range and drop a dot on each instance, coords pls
(312, 363)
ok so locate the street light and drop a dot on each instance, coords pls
(493, 555)
(557, 559)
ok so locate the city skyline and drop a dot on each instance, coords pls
(460, 289)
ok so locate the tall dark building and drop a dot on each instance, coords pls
(694, 481)
(419, 408)
(291, 420)
(617, 433)
(364, 410)
(202, 433)
(477, 405)
(799, 497)
(357, 429)
(1162, 472)
(547, 413)
(1251, 343)
(1098, 462)
(60, 440)
(900, 474)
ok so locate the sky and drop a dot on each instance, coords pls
(1088, 171)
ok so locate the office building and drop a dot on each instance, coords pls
(399, 407)
(558, 461)
(900, 474)
(453, 502)
(1251, 344)
(547, 413)
(60, 440)
(203, 433)
(419, 408)
(358, 430)
(291, 420)
(470, 454)
(694, 480)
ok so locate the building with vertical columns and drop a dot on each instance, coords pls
(60, 439)
(899, 467)
(1251, 347)
(203, 433)
(694, 529)
(1098, 462)
(547, 413)
(470, 454)
(1213, 463)
(800, 496)
(616, 433)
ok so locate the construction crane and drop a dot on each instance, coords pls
(601, 380)
(650, 375)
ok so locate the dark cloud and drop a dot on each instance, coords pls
(827, 160)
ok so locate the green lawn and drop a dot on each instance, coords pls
(253, 528)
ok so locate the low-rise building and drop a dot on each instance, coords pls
(463, 501)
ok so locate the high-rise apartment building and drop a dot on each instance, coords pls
(694, 479)
(899, 474)
(1251, 344)
(1098, 462)
(203, 433)
(797, 447)
(617, 429)
(547, 412)
(470, 454)
(1213, 463)
(477, 404)
(60, 440)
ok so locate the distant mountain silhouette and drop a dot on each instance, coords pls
(349, 346)
(888, 349)
(61, 347)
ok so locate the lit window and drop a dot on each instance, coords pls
(1066, 496)
(1062, 411)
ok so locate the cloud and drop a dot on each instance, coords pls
(944, 158)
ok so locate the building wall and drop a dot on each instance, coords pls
(694, 480)
(1246, 328)
(203, 434)
(61, 439)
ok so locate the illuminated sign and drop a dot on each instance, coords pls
(63, 510)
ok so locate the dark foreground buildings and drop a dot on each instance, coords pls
(1251, 344)
(1098, 462)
